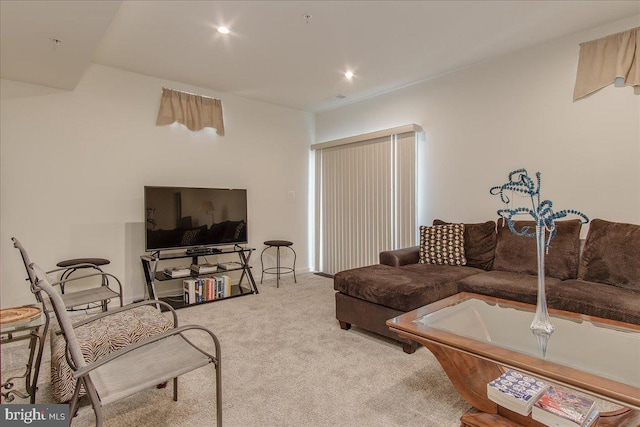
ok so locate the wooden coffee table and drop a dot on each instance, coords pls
(474, 337)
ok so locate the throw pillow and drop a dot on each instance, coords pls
(611, 254)
(442, 244)
(518, 253)
(479, 243)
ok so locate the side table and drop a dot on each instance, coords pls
(34, 330)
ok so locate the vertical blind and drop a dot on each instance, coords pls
(365, 200)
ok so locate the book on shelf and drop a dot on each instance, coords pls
(559, 408)
(204, 268)
(189, 291)
(206, 289)
(226, 282)
(516, 391)
(175, 272)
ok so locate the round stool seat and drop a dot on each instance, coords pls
(278, 243)
(278, 269)
(94, 261)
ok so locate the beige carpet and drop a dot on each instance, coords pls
(286, 362)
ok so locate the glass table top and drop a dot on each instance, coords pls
(26, 324)
(598, 348)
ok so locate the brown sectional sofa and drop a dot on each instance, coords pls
(602, 279)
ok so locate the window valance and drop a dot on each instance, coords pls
(194, 111)
(603, 61)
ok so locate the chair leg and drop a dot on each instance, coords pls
(294, 265)
(277, 266)
(73, 409)
(262, 264)
(218, 395)
(95, 401)
(175, 389)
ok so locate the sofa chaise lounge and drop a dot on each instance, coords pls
(600, 279)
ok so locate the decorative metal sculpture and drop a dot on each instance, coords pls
(520, 183)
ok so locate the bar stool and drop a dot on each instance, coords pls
(80, 263)
(278, 269)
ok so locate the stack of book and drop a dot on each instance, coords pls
(206, 289)
(229, 265)
(175, 272)
(204, 268)
(558, 408)
(516, 391)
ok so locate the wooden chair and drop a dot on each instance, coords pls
(136, 367)
(100, 294)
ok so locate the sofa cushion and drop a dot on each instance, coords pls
(595, 299)
(505, 284)
(401, 288)
(442, 244)
(479, 243)
(611, 254)
(518, 253)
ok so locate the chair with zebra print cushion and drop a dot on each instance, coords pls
(101, 337)
(135, 367)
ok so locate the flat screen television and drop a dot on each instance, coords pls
(187, 217)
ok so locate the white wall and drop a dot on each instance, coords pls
(73, 167)
(511, 112)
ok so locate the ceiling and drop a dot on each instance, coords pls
(275, 55)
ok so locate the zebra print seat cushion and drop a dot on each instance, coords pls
(100, 338)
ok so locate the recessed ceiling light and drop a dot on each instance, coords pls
(224, 30)
(348, 74)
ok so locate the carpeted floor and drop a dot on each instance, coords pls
(286, 362)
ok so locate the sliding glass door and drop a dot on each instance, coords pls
(365, 200)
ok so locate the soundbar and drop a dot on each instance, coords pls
(203, 251)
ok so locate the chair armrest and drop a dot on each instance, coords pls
(81, 265)
(129, 307)
(121, 352)
(399, 257)
(55, 270)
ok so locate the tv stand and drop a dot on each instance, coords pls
(154, 274)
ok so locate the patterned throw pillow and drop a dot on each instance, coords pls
(442, 244)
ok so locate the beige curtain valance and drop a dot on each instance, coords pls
(604, 60)
(194, 111)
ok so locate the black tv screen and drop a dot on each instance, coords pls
(185, 217)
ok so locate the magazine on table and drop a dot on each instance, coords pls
(516, 391)
(563, 409)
